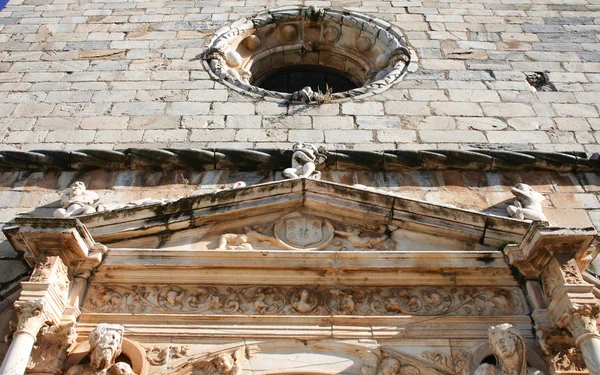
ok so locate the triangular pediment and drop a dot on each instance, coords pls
(302, 214)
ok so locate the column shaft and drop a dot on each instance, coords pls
(590, 349)
(17, 356)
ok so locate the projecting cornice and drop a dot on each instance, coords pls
(277, 159)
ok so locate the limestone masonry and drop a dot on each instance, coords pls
(165, 210)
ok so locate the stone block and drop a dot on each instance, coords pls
(456, 109)
(138, 109)
(363, 109)
(333, 122)
(407, 108)
(512, 137)
(451, 136)
(507, 109)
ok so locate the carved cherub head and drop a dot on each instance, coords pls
(120, 368)
(388, 366)
(224, 363)
(76, 189)
(105, 345)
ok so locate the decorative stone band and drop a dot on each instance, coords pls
(319, 301)
(277, 159)
(371, 51)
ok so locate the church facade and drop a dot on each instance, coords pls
(355, 187)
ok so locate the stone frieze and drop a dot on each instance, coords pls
(264, 300)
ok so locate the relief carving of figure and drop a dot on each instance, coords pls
(304, 303)
(76, 200)
(105, 346)
(232, 241)
(528, 204)
(304, 161)
(352, 236)
(510, 349)
(225, 363)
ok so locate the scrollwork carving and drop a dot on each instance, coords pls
(265, 300)
(440, 360)
(157, 356)
(571, 272)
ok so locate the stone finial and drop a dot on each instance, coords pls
(510, 349)
(528, 204)
(304, 161)
(76, 200)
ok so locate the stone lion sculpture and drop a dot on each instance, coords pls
(510, 349)
(528, 204)
(76, 200)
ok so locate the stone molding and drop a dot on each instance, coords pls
(318, 301)
(373, 52)
(277, 159)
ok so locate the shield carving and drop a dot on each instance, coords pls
(302, 232)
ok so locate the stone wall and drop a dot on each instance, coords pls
(112, 74)
(118, 74)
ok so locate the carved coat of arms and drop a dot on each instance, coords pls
(302, 232)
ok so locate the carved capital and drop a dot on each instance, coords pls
(31, 316)
(581, 322)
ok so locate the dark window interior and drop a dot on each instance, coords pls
(293, 78)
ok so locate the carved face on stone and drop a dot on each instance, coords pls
(224, 363)
(503, 342)
(304, 295)
(389, 366)
(77, 189)
(120, 368)
(105, 345)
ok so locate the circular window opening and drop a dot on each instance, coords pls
(297, 77)
(308, 54)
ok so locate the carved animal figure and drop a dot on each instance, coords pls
(510, 349)
(528, 204)
(76, 200)
(356, 241)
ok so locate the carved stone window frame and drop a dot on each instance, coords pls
(370, 50)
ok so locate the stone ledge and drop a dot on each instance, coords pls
(277, 159)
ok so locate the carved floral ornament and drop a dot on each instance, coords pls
(371, 51)
(282, 300)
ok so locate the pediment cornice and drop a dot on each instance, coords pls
(154, 227)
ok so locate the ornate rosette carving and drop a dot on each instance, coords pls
(371, 51)
(253, 300)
